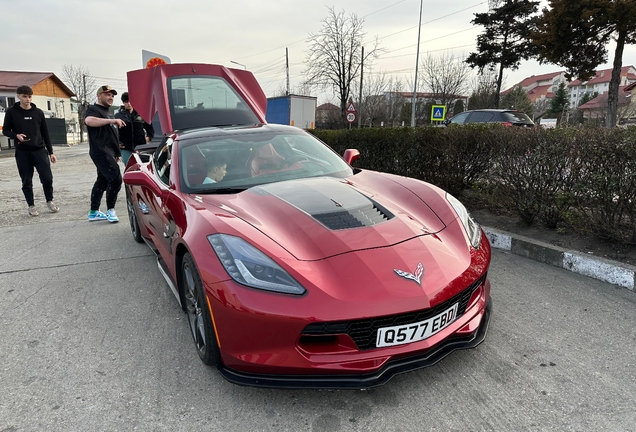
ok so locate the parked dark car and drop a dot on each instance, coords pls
(507, 117)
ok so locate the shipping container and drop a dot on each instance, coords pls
(292, 110)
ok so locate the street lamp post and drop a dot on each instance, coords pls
(244, 67)
(417, 60)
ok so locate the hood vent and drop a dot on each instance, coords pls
(334, 204)
(365, 216)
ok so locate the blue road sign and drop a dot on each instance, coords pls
(438, 112)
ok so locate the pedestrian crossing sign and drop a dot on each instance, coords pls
(438, 112)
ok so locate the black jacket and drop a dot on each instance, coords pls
(135, 131)
(30, 122)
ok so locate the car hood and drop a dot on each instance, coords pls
(319, 218)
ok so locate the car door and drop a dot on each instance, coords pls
(158, 218)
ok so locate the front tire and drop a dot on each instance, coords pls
(199, 318)
(132, 218)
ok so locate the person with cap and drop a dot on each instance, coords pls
(136, 132)
(25, 124)
(103, 139)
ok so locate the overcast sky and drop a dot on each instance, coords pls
(107, 37)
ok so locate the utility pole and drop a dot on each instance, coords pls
(360, 99)
(417, 62)
(287, 68)
(84, 103)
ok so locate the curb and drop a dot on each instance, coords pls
(623, 275)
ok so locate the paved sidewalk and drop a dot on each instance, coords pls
(614, 272)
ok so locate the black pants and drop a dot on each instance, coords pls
(108, 180)
(27, 161)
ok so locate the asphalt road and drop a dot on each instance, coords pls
(92, 339)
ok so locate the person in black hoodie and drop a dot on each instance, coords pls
(25, 124)
(136, 132)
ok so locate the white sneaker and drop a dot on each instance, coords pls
(52, 207)
(111, 216)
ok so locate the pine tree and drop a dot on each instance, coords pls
(505, 40)
(517, 98)
(575, 34)
(559, 103)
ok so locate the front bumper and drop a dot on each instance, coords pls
(361, 381)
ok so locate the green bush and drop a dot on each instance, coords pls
(584, 178)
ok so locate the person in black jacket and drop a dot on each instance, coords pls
(103, 140)
(25, 124)
(136, 132)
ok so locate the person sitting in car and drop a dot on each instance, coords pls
(217, 168)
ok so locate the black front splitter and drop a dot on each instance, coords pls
(375, 379)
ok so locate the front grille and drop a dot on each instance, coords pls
(361, 217)
(364, 332)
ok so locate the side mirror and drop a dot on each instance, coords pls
(138, 178)
(351, 155)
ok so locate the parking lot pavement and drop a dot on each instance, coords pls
(93, 339)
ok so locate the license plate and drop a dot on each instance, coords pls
(407, 333)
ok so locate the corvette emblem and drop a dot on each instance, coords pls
(415, 276)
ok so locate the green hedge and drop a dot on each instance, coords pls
(584, 179)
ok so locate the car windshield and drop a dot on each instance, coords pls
(231, 163)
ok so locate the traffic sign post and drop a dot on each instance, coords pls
(351, 113)
(438, 112)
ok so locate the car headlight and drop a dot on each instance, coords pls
(249, 266)
(472, 228)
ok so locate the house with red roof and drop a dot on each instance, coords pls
(543, 87)
(50, 94)
(599, 84)
(626, 106)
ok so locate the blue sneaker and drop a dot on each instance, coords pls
(96, 215)
(111, 216)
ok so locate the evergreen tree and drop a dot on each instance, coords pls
(458, 107)
(559, 103)
(505, 40)
(517, 98)
(575, 34)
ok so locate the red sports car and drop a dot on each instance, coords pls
(295, 269)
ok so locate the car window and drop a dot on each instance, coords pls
(203, 101)
(163, 160)
(516, 116)
(477, 117)
(250, 159)
(459, 118)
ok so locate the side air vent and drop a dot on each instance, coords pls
(365, 216)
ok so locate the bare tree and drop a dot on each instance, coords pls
(335, 55)
(395, 103)
(374, 98)
(82, 83)
(445, 76)
(301, 90)
(484, 94)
